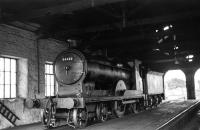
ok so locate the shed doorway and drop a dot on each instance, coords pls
(175, 85)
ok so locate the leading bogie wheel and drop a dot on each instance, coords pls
(47, 114)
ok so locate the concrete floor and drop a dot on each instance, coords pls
(148, 120)
(194, 124)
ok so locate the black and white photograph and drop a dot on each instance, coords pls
(99, 65)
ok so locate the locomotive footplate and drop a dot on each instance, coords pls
(114, 98)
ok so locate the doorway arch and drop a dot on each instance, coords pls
(175, 85)
(197, 83)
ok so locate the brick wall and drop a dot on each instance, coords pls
(22, 44)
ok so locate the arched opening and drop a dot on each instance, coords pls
(197, 83)
(175, 85)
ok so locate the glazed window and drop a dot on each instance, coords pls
(49, 80)
(8, 77)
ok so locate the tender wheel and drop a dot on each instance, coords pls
(102, 112)
(150, 102)
(47, 114)
(80, 117)
(119, 108)
(156, 101)
(159, 99)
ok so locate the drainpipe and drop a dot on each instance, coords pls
(38, 63)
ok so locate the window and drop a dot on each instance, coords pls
(7, 77)
(49, 80)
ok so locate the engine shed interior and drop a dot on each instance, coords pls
(163, 35)
(153, 31)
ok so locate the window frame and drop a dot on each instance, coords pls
(54, 82)
(10, 80)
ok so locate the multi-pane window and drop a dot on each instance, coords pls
(49, 80)
(8, 77)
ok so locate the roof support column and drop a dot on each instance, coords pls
(189, 73)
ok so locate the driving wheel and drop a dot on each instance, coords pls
(80, 117)
(102, 112)
(119, 108)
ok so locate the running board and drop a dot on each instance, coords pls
(129, 101)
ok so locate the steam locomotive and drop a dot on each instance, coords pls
(93, 88)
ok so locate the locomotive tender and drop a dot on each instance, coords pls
(92, 88)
